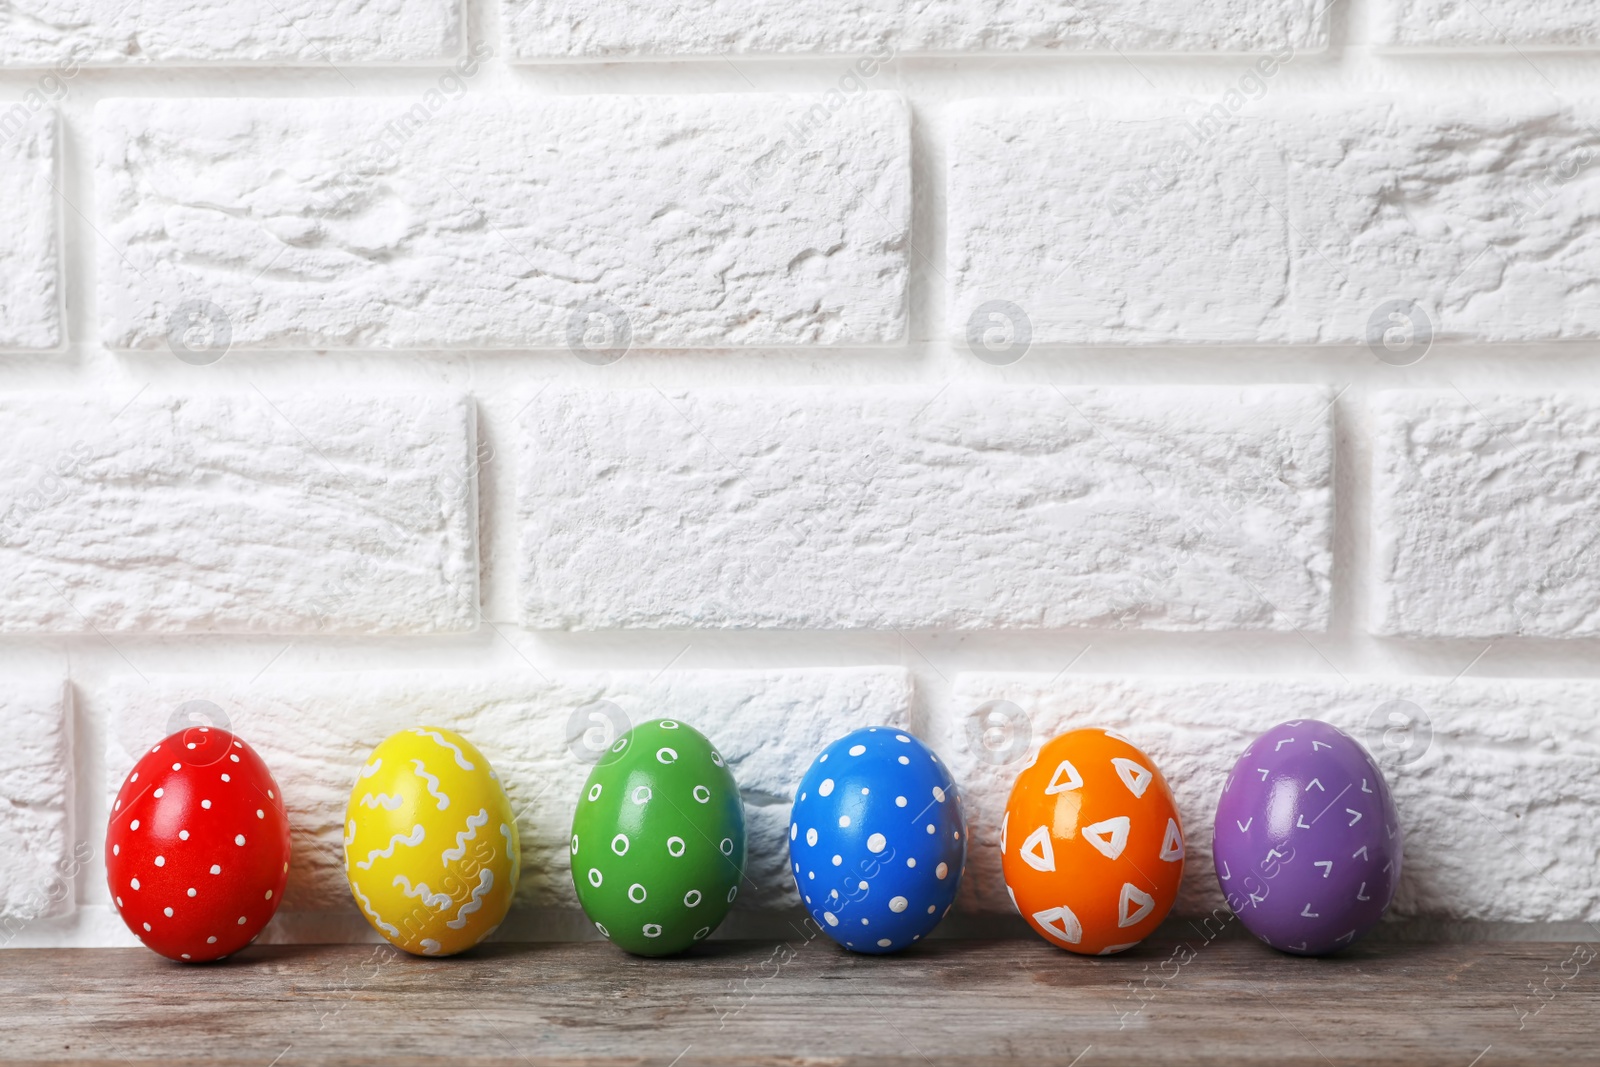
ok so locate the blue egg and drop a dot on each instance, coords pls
(877, 840)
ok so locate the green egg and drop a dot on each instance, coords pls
(658, 843)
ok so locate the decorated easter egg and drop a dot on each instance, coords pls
(197, 851)
(658, 842)
(877, 840)
(430, 844)
(1307, 842)
(1091, 846)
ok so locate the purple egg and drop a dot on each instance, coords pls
(1307, 843)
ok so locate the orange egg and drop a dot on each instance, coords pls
(1091, 846)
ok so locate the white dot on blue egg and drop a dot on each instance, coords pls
(902, 738)
(876, 843)
(838, 860)
(938, 794)
(884, 942)
(826, 788)
(942, 870)
(898, 904)
(794, 830)
(899, 802)
(856, 750)
(811, 837)
(911, 861)
(861, 885)
(844, 821)
(904, 760)
(831, 918)
(930, 828)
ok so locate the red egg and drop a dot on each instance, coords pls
(197, 852)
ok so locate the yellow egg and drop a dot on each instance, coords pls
(430, 843)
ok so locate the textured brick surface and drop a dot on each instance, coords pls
(1496, 793)
(1489, 23)
(570, 28)
(39, 33)
(36, 802)
(1486, 511)
(1268, 222)
(1175, 509)
(315, 732)
(237, 513)
(30, 291)
(716, 221)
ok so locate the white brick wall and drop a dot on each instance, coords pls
(45, 33)
(1489, 23)
(1183, 367)
(909, 509)
(30, 288)
(541, 29)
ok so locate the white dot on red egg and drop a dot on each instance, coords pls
(133, 882)
(161, 861)
(118, 806)
(147, 928)
(206, 804)
(134, 777)
(160, 793)
(116, 850)
(238, 839)
(119, 902)
(260, 814)
(167, 912)
(269, 895)
(270, 796)
(189, 745)
(175, 766)
(225, 778)
(134, 825)
(211, 940)
(216, 868)
(237, 745)
(191, 891)
(183, 835)
(234, 758)
(184, 955)
(241, 920)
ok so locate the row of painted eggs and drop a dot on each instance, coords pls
(1306, 841)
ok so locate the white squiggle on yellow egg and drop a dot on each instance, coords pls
(415, 838)
(481, 890)
(433, 784)
(421, 891)
(350, 834)
(463, 836)
(386, 801)
(366, 906)
(430, 947)
(461, 758)
(372, 768)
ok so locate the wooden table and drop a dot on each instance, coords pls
(1229, 1001)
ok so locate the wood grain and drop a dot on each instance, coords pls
(1228, 1001)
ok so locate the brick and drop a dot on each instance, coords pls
(704, 221)
(315, 731)
(237, 513)
(1488, 24)
(542, 29)
(30, 287)
(1274, 223)
(1172, 509)
(1496, 794)
(1485, 508)
(68, 33)
(36, 802)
